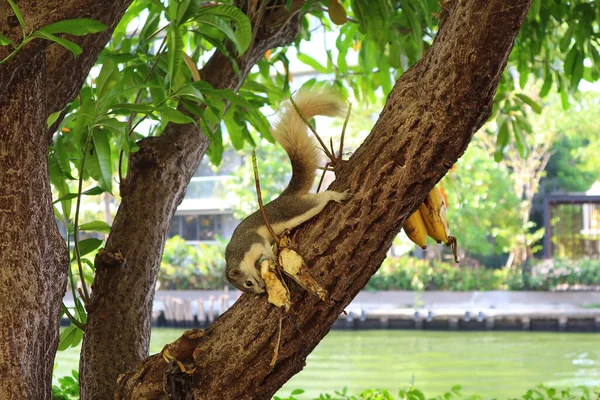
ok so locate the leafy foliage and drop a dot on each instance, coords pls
(540, 392)
(188, 267)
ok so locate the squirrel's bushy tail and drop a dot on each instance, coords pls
(292, 134)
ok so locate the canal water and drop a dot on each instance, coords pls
(490, 364)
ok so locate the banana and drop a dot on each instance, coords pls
(433, 211)
(415, 229)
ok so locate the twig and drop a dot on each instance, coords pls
(73, 320)
(259, 198)
(276, 351)
(86, 295)
(344, 130)
(323, 176)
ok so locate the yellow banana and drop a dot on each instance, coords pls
(415, 229)
(433, 210)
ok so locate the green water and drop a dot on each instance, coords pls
(486, 363)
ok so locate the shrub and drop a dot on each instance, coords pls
(187, 267)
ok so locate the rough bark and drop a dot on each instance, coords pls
(41, 79)
(120, 312)
(33, 256)
(426, 125)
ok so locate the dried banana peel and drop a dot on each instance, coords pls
(278, 293)
(293, 265)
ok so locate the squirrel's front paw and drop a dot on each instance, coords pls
(340, 196)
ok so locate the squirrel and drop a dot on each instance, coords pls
(251, 240)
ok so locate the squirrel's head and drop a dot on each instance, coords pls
(242, 274)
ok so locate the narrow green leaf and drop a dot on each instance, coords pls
(222, 26)
(76, 27)
(86, 246)
(308, 60)
(234, 131)
(67, 44)
(535, 106)
(175, 116)
(96, 190)
(503, 135)
(4, 41)
(98, 226)
(68, 338)
(102, 151)
(52, 118)
(80, 311)
(61, 157)
(132, 107)
(577, 72)
(107, 79)
(174, 53)
(546, 86)
(67, 196)
(244, 27)
(190, 91)
(18, 14)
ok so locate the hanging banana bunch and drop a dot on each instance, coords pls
(431, 220)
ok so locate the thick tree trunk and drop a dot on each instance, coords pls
(41, 79)
(33, 256)
(119, 315)
(426, 125)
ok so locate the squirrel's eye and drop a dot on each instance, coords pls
(248, 283)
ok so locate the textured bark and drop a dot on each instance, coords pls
(41, 79)
(426, 125)
(33, 256)
(120, 312)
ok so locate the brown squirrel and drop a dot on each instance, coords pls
(251, 239)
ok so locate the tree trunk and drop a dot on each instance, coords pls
(33, 256)
(120, 312)
(41, 79)
(426, 125)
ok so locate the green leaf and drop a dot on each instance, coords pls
(67, 44)
(308, 60)
(62, 158)
(174, 53)
(80, 312)
(243, 32)
(190, 91)
(98, 226)
(86, 246)
(577, 72)
(102, 151)
(234, 131)
(4, 41)
(297, 392)
(535, 106)
(503, 135)
(132, 107)
(52, 118)
(18, 14)
(67, 196)
(415, 25)
(96, 190)
(175, 116)
(546, 86)
(107, 79)
(70, 337)
(76, 27)
(222, 26)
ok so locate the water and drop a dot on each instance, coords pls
(490, 364)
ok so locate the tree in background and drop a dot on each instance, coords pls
(148, 78)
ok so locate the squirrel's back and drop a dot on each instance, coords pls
(292, 134)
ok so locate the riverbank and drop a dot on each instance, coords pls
(433, 310)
